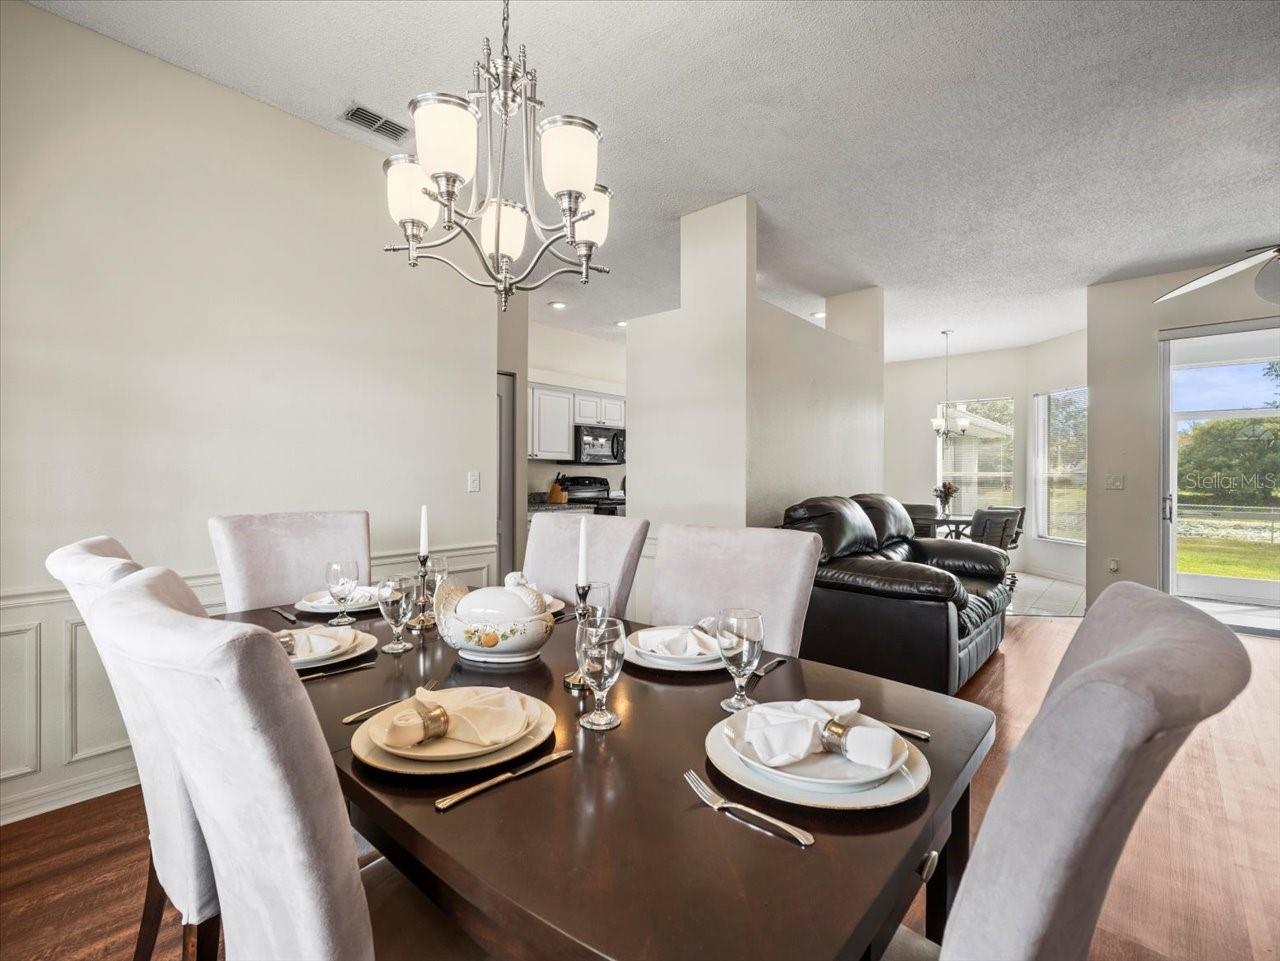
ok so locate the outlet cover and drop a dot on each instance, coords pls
(1115, 482)
(1113, 566)
(473, 482)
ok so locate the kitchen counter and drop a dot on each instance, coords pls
(538, 504)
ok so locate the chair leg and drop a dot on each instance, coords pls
(190, 941)
(152, 913)
(207, 933)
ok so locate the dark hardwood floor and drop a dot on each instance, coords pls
(1200, 879)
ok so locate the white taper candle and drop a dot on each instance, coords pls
(582, 552)
(423, 540)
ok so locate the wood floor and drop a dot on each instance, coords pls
(1200, 879)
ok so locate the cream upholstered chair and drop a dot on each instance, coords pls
(264, 787)
(1142, 671)
(701, 570)
(180, 867)
(270, 559)
(613, 551)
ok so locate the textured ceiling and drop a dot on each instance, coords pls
(981, 161)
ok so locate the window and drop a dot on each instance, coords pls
(1061, 463)
(980, 461)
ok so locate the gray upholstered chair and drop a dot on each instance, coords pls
(701, 570)
(1142, 671)
(265, 790)
(270, 559)
(179, 868)
(613, 551)
(999, 527)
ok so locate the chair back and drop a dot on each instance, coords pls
(250, 750)
(266, 560)
(702, 570)
(993, 526)
(924, 518)
(613, 551)
(88, 569)
(1143, 669)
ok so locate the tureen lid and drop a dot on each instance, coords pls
(497, 604)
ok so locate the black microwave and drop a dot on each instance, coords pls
(600, 445)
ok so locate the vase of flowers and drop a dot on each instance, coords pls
(944, 492)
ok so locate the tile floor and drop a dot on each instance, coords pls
(1042, 595)
(1245, 617)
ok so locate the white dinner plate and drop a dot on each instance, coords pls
(904, 784)
(319, 602)
(362, 747)
(823, 770)
(554, 604)
(678, 659)
(446, 748)
(633, 655)
(363, 645)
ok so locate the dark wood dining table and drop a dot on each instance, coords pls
(610, 855)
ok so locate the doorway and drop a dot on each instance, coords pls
(506, 473)
(1220, 509)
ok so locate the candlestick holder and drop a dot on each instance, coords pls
(425, 619)
(574, 681)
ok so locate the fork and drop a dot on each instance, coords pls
(716, 802)
(361, 715)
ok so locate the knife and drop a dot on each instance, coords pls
(345, 670)
(447, 802)
(285, 614)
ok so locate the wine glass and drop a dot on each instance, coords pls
(437, 571)
(599, 649)
(740, 638)
(342, 577)
(398, 601)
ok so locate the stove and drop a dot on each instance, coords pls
(584, 489)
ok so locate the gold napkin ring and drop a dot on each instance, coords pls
(435, 719)
(833, 734)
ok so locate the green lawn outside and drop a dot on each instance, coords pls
(1229, 558)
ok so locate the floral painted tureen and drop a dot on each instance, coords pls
(497, 625)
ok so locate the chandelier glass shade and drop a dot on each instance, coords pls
(458, 178)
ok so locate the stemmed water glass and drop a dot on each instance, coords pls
(398, 601)
(437, 571)
(342, 577)
(740, 639)
(599, 649)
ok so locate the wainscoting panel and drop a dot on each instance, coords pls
(61, 736)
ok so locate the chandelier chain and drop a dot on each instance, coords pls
(506, 28)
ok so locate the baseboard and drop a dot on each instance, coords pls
(17, 807)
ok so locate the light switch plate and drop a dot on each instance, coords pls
(1115, 482)
(473, 482)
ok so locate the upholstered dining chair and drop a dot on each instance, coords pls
(701, 570)
(613, 551)
(999, 527)
(179, 867)
(269, 559)
(264, 787)
(1141, 672)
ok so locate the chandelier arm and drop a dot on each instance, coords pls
(554, 273)
(456, 269)
(502, 169)
(538, 256)
(484, 260)
(478, 202)
(530, 192)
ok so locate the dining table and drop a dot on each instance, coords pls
(955, 524)
(609, 854)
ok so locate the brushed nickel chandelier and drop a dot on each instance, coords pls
(946, 425)
(432, 184)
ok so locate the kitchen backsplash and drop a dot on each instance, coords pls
(541, 473)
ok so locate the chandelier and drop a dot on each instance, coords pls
(942, 426)
(441, 181)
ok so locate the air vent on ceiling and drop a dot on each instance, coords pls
(370, 120)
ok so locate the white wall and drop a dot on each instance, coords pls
(1124, 408)
(196, 317)
(572, 359)
(913, 390)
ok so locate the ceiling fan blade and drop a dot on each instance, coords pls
(1214, 276)
(1267, 283)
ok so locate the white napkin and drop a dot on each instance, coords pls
(477, 715)
(783, 733)
(319, 641)
(360, 597)
(684, 642)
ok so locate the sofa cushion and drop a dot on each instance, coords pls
(962, 558)
(843, 526)
(987, 599)
(889, 518)
(864, 574)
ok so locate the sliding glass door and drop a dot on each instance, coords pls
(1221, 508)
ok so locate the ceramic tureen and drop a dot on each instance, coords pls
(494, 625)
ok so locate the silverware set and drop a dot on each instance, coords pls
(752, 818)
(444, 803)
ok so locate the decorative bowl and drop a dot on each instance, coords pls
(493, 625)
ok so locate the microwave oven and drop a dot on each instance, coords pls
(600, 445)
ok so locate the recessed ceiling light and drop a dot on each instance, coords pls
(819, 315)
(557, 304)
(619, 323)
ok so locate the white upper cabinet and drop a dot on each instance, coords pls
(550, 423)
(599, 410)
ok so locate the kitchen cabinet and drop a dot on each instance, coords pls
(550, 423)
(599, 410)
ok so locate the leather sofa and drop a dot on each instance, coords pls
(922, 610)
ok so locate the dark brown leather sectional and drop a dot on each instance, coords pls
(921, 610)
